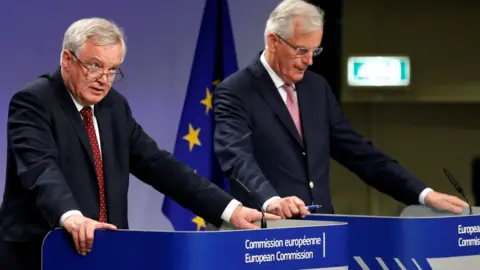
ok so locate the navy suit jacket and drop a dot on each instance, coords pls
(256, 141)
(50, 168)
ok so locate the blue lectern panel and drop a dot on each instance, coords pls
(415, 243)
(285, 248)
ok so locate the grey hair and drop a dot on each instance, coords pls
(103, 31)
(281, 19)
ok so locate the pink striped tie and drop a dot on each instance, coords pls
(292, 107)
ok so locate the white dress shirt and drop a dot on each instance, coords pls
(279, 83)
(226, 215)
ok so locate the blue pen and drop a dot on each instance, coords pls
(313, 207)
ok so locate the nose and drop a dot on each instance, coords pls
(308, 59)
(103, 79)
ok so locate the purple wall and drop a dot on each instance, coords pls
(161, 37)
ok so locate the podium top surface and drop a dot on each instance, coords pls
(410, 212)
(288, 223)
(419, 211)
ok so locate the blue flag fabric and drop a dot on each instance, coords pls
(214, 59)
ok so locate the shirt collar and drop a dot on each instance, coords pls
(275, 78)
(77, 104)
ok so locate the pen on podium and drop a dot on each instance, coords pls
(313, 207)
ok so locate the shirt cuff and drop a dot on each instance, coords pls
(423, 195)
(227, 213)
(267, 202)
(69, 214)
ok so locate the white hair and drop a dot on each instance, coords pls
(102, 31)
(280, 22)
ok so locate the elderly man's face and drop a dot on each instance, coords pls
(90, 73)
(288, 63)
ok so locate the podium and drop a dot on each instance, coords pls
(420, 239)
(423, 211)
(286, 244)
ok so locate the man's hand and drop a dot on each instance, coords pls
(244, 217)
(288, 207)
(82, 230)
(445, 202)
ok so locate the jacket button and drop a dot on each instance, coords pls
(311, 185)
(304, 154)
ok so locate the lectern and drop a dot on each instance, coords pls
(286, 244)
(421, 238)
(424, 211)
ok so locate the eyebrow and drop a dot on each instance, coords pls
(97, 60)
(305, 47)
(301, 46)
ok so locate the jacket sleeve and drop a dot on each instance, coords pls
(166, 174)
(233, 145)
(35, 153)
(373, 166)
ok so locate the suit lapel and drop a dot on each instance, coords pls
(305, 103)
(72, 113)
(272, 97)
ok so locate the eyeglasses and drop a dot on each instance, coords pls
(94, 72)
(301, 51)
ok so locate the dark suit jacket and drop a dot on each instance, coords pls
(50, 166)
(256, 141)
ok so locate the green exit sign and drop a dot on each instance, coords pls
(378, 71)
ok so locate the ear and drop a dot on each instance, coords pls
(272, 42)
(66, 60)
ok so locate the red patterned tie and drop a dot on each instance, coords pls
(88, 121)
(292, 106)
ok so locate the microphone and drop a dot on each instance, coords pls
(263, 222)
(459, 189)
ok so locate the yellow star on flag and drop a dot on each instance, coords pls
(207, 101)
(200, 222)
(192, 137)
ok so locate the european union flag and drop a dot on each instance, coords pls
(214, 59)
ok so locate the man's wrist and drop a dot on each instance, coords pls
(423, 194)
(69, 214)
(228, 212)
(267, 202)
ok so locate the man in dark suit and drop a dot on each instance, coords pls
(72, 142)
(278, 124)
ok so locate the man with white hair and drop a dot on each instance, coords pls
(278, 124)
(72, 143)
